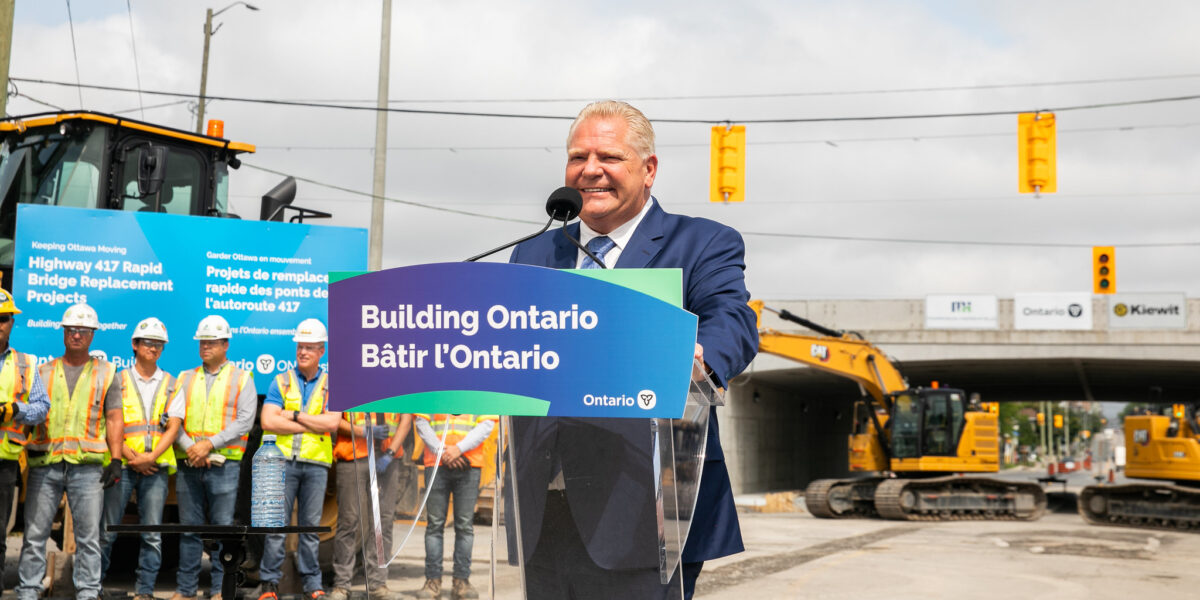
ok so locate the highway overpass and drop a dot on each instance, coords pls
(786, 424)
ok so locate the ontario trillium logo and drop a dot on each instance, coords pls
(1075, 310)
(646, 399)
(265, 364)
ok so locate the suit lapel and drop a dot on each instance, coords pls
(646, 242)
(565, 253)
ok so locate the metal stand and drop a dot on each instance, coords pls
(233, 544)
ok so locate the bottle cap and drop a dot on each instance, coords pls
(268, 437)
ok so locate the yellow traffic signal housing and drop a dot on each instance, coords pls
(1036, 153)
(1041, 418)
(727, 168)
(1087, 435)
(1104, 270)
(1058, 421)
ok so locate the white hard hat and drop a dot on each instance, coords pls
(151, 329)
(311, 331)
(213, 327)
(81, 315)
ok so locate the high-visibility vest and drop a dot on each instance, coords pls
(209, 412)
(142, 431)
(308, 447)
(348, 450)
(16, 377)
(460, 426)
(74, 429)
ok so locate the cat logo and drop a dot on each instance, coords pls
(820, 352)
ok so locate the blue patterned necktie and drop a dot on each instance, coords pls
(598, 246)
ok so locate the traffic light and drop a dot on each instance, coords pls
(727, 168)
(1036, 152)
(1104, 270)
(1086, 434)
(1058, 421)
(1041, 418)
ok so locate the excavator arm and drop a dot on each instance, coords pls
(833, 352)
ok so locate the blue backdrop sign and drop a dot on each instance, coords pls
(494, 338)
(263, 277)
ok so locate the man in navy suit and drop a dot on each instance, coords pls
(586, 486)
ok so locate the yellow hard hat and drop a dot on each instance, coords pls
(7, 304)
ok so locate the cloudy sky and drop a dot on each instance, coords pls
(834, 209)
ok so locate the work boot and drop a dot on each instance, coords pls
(314, 594)
(339, 593)
(179, 596)
(143, 597)
(215, 597)
(462, 590)
(432, 589)
(269, 590)
(380, 593)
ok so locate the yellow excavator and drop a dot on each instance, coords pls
(1165, 448)
(920, 446)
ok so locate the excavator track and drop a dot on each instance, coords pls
(1155, 506)
(842, 498)
(959, 498)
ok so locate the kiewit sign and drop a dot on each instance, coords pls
(1052, 311)
(958, 311)
(1147, 311)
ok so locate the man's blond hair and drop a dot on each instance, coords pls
(639, 134)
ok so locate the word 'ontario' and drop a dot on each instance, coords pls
(460, 356)
(433, 316)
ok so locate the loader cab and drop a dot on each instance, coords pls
(927, 422)
(93, 160)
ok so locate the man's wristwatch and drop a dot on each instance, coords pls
(296, 416)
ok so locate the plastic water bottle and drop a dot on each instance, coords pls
(267, 488)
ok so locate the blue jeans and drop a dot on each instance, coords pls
(304, 482)
(463, 484)
(84, 497)
(151, 496)
(206, 497)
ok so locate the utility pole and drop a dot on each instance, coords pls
(375, 242)
(6, 28)
(208, 33)
(204, 71)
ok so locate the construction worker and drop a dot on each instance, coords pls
(69, 452)
(353, 489)
(153, 414)
(294, 411)
(219, 405)
(458, 476)
(23, 401)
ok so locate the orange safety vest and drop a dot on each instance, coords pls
(74, 429)
(460, 426)
(347, 450)
(208, 412)
(16, 378)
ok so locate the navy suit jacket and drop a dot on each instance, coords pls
(607, 462)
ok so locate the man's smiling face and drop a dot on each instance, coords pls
(613, 180)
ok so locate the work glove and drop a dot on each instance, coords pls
(383, 461)
(111, 474)
(9, 411)
(380, 432)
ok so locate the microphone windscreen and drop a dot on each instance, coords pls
(564, 204)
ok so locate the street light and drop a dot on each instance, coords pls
(208, 33)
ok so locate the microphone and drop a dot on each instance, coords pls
(563, 205)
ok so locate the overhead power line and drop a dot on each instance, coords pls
(744, 233)
(706, 121)
(914, 90)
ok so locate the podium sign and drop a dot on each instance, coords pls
(494, 338)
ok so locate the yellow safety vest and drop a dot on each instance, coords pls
(16, 377)
(142, 431)
(210, 412)
(308, 447)
(74, 429)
